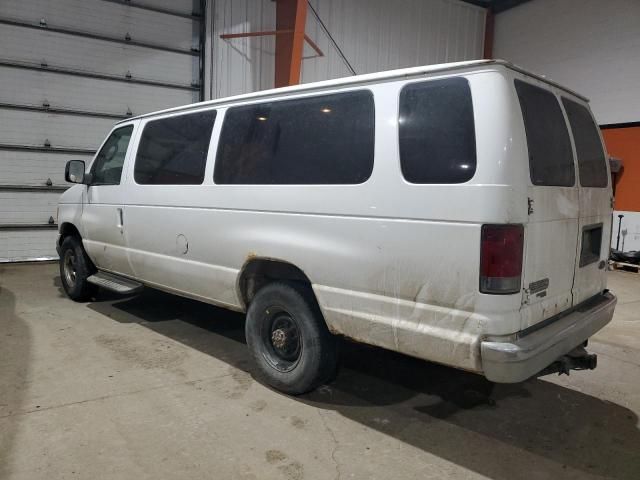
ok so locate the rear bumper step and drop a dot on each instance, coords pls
(515, 360)
(115, 283)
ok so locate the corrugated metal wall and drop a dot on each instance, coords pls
(374, 35)
(239, 65)
(377, 35)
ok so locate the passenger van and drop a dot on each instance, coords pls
(459, 213)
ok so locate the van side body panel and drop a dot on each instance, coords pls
(392, 264)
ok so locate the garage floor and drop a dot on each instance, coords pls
(161, 387)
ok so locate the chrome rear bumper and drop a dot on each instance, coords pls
(515, 360)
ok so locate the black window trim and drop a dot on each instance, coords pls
(552, 90)
(397, 134)
(593, 258)
(306, 95)
(92, 167)
(143, 125)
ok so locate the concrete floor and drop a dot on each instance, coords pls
(161, 387)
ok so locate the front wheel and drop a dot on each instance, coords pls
(289, 340)
(75, 268)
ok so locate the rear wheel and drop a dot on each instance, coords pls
(289, 340)
(75, 268)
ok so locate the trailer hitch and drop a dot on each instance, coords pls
(576, 359)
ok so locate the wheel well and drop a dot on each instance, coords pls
(256, 273)
(68, 230)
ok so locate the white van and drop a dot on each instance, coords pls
(458, 213)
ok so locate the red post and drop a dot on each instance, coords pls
(291, 16)
(488, 34)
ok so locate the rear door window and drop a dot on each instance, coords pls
(550, 155)
(592, 166)
(173, 150)
(326, 139)
(437, 132)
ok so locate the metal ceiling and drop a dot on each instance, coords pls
(496, 6)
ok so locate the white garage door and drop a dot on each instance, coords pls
(69, 69)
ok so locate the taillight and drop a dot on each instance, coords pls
(501, 258)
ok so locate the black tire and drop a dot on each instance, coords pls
(75, 268)
(289, 340)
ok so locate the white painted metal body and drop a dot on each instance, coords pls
(391, 263)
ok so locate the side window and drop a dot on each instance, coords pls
(437, 132)
(550, 155)
(592, 166)
(327, 139)
(173, 151)
(107, 167)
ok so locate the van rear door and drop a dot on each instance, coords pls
(551, 232)
(594, 228)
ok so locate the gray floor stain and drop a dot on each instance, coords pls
(275, 456)
(157, 354)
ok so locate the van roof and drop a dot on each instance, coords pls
(355, 80)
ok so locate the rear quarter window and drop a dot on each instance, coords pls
(592, 166)
(437, 132)
(550, 155)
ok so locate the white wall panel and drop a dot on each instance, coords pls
(377, 35)
(33, 87)
(105, 18)
(241, 65)
(21, 244)
(34, 168)
(590, 46)
(28, 207)
(21, 127)
(87, 54)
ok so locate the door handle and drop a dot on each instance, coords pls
(120, 219)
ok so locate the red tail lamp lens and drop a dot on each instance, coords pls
(501, 249)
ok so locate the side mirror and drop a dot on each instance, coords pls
(74, 171)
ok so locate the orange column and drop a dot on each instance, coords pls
(291, 15)
(489, 26)
(624, 143)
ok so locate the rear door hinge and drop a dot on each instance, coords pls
(529, 205)
(525, 296)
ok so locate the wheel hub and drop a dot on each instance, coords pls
(70, 268)
(279, 338)
(283, 338)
